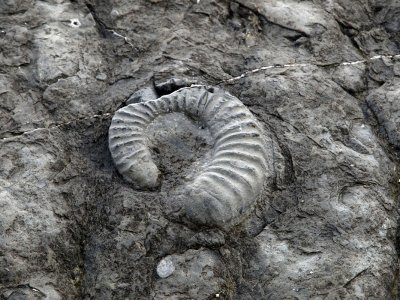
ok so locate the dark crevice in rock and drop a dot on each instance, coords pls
(170, 86)
(290, 175)
(350, 32)
(102, 27)
(266, 20)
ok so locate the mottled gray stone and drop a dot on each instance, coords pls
(325, 225)
(384, 103)
(165, 267)
(351, 77)
(142, 95)
(197, 276)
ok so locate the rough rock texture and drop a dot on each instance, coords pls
(326, 224)
(225, 185)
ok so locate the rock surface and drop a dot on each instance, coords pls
(326, 224)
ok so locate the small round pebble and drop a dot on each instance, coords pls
(165, 267)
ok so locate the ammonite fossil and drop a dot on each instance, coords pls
(228, 184)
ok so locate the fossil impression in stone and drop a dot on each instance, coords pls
(228, 184)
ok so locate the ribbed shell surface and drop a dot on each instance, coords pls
(229, 183)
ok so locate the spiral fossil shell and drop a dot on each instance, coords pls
(228, 184)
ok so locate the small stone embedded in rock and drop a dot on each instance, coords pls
(101, 76)
(75, 23)
(165, 267)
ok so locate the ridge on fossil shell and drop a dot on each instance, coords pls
(229, 183)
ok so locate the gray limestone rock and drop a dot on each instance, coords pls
(142, 95)
(324, 225)
(197, 275)
(385, 105)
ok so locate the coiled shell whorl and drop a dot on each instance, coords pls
(229, 184)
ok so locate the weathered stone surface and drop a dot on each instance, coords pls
(227, 184)
(384, 103)
(198, 275)
(326, 223)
